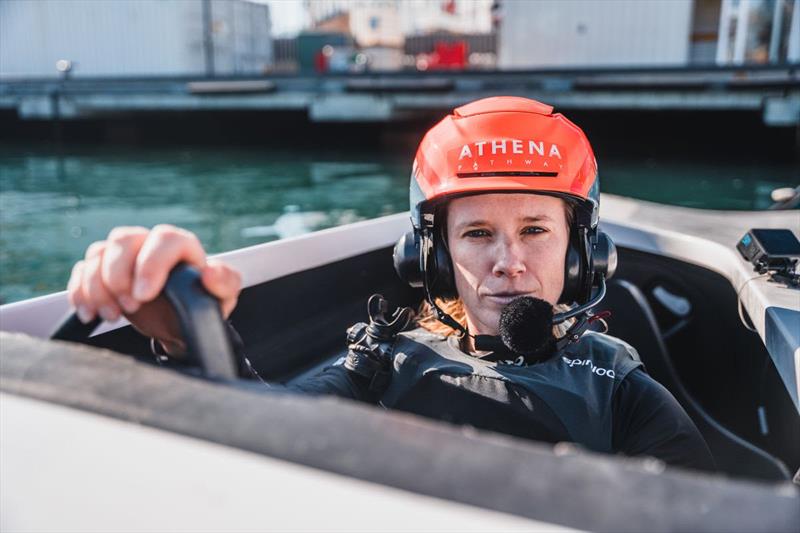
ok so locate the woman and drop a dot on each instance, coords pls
(504, 203)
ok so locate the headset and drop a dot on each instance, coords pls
(422, 260)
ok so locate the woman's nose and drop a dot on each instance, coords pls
(508, 260)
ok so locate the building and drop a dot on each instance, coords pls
(134, 37)
(758, 31)
(588, 33)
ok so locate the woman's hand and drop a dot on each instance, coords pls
(125, 275)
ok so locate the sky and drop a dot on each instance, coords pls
(288, 16)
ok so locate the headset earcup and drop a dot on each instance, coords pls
(406, 259)
(585, 263)
(573, 272)
(604, 256)
(442, 280)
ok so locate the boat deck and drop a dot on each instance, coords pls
(708, 239)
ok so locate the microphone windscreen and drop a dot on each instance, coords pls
(526, 326)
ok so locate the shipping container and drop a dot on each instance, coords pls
(134, 37)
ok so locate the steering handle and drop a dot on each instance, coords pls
(199, 317)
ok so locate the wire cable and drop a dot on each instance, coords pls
(739, 302)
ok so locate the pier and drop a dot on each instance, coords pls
(774, 91)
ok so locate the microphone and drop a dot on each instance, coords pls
(526, 327)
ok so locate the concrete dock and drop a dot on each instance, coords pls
(391, 96)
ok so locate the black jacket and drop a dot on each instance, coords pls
(594, 393)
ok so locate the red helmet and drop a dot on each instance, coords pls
(504, 143)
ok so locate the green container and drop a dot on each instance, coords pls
(311, 43)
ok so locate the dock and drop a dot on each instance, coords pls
(774, 91)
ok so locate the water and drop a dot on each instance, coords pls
(52, 208)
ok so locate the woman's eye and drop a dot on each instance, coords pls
(476, 233)
(533, 229)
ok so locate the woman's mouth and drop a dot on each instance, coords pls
(505, 298)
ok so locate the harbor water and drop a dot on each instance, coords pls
(52, 206)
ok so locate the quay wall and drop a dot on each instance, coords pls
(401, 96)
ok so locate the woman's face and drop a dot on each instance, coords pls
(504, 246)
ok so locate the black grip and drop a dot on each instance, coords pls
(201, 322)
